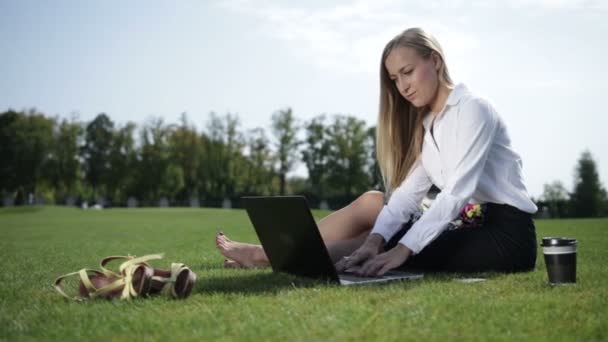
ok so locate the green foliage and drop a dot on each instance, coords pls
(555, 197)
(260, 164)
(186, 152)
(589, 197)
(224, 163)
(38, 244)
(123, 161)
(96, 152)
(376, 174)
(56, 159)
(26, 146)
(347, 155)
(285, 130)
(315, 155)
(99, 160)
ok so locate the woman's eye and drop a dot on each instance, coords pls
(408, 72)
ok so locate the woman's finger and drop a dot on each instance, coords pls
(340, 265)
(373, 269)
(371, 266)
(387, 267)
(343, 264)
(355, 259)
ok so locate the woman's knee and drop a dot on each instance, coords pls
(370, 203)
(372, 198)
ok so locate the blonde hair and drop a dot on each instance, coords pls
(400, 132)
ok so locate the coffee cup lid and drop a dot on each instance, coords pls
(558, 241)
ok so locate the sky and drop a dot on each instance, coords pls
(541, 63)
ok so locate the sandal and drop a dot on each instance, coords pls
(135, 281)
(180, 278)
(178, 281)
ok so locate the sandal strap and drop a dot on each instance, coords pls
(84, 278)
(140, 260)
(128, 291)
(130, 261)
(127, 270)
(176, 269)
(59, 288)
(106, 260)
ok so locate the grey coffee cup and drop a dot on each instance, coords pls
(560, 259)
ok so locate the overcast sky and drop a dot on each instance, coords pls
(541, 63)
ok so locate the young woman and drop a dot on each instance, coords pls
(429, 131)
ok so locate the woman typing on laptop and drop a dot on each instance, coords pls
(430, 131)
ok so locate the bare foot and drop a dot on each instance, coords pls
(231, 264)
(244, 254)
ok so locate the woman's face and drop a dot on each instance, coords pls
(415, 77)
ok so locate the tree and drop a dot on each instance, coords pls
(8, 151)
(589, 197)
(555, 196)
(285, 130)
(96, 152)
(348, 161)
(376, 174)
(155, 179)
(26, 147)
(186, 151)
(224, 161)
(64, 166)
(315, 154)
(259, 172)
(123, 159)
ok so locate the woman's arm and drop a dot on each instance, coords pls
(404, 202)
(475, 130)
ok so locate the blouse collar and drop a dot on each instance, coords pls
(455, 96)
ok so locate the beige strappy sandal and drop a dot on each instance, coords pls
(177, 282)
(133, 280)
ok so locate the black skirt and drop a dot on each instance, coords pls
(505, 242)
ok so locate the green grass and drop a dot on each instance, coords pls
(39, 244)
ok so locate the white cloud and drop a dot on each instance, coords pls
(348, 38)
(560, 4)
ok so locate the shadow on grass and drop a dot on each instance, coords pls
(273, 283)
(258, 283)
(444, 276)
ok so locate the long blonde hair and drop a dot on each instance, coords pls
(400, 132)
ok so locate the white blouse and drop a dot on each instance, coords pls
(469, 157)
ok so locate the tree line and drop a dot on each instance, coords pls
(53, 160)
(56, 159)
(587, 199)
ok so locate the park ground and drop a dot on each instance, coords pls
(38, 244)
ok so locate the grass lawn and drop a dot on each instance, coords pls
(38, 244)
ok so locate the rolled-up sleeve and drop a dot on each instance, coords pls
(404, 201)
(475, 130)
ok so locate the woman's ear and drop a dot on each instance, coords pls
(437, 61)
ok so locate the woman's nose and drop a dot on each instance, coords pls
(403, 85)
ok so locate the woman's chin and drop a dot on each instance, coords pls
(417, 104)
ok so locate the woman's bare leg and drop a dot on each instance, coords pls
(343, 231)
(352, 220)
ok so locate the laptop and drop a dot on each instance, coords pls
(291, 239)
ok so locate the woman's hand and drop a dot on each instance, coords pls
(384, 262)
(370, 248)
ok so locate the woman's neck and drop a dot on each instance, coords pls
(441, 98)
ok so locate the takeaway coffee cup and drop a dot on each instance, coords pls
(560, 259)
